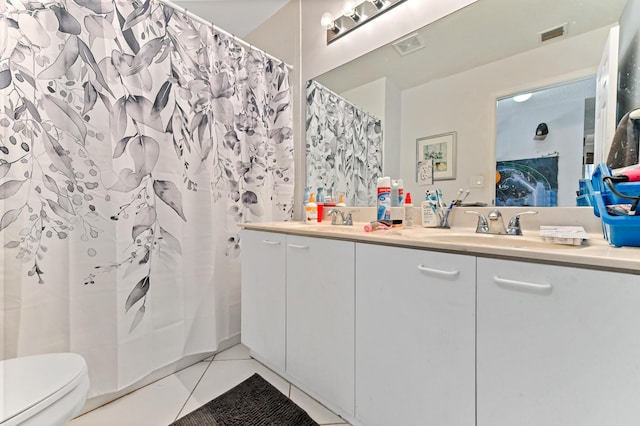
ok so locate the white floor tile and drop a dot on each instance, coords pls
(156, 404)
(160, 403)
(316, 411)
(224, 375)
(238, 351)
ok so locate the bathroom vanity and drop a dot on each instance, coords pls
(446, 327)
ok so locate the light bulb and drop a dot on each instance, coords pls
(379, 4)
(349, 8)
(327, 21)
(523, 97)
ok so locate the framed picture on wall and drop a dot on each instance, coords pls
(442, 150)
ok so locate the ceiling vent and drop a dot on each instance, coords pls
(553, 33)
(408, 44)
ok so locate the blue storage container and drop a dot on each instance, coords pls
(618, 230)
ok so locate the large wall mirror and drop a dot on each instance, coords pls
(447, 77)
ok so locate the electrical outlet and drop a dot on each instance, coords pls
(476, 181)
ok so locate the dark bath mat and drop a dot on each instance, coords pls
(254, 402)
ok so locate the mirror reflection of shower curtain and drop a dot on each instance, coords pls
(343, 147)
(133, 140)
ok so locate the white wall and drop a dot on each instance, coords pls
(392, 126)
(370, 97)
(465, 103)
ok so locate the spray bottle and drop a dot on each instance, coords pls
(384, 198)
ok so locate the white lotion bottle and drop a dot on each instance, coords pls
(429, 215)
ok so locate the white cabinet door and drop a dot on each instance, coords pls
(557, 346)
(320, 318)
(415, 337)
(263, 295)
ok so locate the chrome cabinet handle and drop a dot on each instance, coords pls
(297, 246)
(448, 274)
(522, 284)
(271, 243)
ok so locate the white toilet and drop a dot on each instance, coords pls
(42, 390)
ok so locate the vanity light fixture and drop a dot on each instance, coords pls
(354, 15)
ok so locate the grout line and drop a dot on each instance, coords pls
(234, 359)
(193, 390)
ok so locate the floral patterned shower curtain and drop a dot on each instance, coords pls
(133, 140)
(343, 148)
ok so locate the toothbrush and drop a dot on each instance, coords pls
(439, 198)
(455, 201)
(460, 201)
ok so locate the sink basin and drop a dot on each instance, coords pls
(335, 228)
(510, 241)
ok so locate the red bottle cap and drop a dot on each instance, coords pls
(407, 199)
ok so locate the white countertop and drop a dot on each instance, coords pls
(594, 253)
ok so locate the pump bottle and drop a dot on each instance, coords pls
(311, 210)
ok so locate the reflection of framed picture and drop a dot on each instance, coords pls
(442, 149)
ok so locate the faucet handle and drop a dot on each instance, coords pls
(514, 224)
(334, 213)
(483, 225)
(348, 220)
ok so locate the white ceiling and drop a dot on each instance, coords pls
(238, 17)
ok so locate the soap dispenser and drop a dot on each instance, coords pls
(311, 210)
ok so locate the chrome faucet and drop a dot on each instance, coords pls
(494, 224)
(346, 220)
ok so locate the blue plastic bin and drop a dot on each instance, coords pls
(618, 230)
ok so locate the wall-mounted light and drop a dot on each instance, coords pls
(522, 97)
(354, 15)
(541, 131)
(328, 23)
(349, 9)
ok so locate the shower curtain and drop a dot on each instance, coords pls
(133, 140)
(343, 147)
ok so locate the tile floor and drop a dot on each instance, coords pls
(164, 401)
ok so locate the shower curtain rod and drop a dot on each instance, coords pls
(342, 97)
(220, 30)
